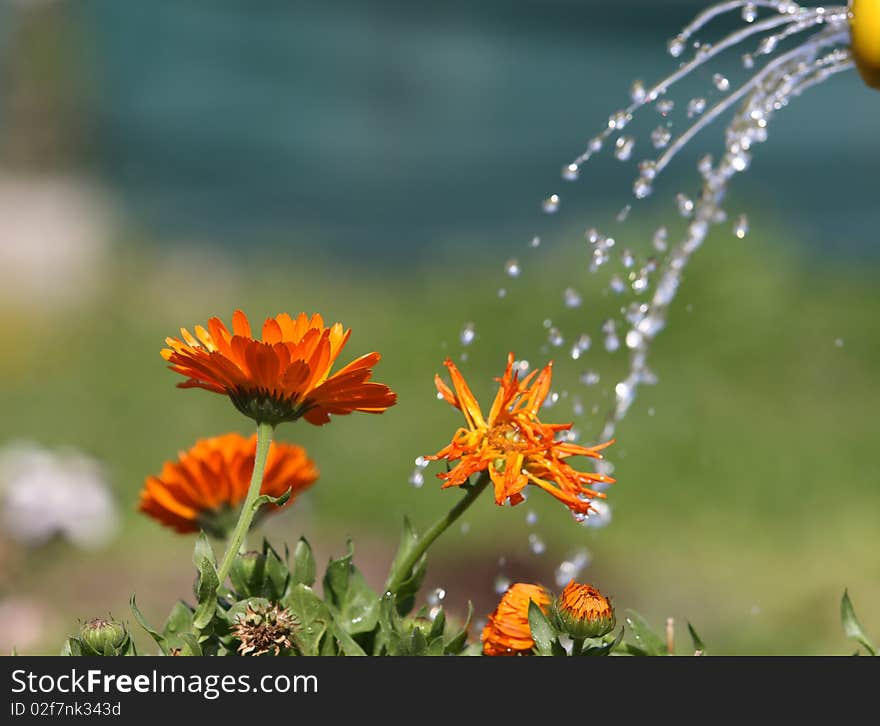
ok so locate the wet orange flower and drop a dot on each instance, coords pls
(284, 376)
(513, 445)
(507, 631)
(205, 486)
(584, 612)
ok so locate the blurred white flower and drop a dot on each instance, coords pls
(45, 493)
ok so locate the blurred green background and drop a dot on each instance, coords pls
(164, 162)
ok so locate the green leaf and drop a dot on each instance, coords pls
(698, 642)
(160, 639)
(354, 603)
(543, 632)
(277, 580)
(647, 641)
(248, 573)
(409, 587)
(392, 638)
(191, 644)
(438, 625)
(851, 625)
(304, 567)
(266, 499)
(206, 591)
(418, 643)
(315, 619)
(457, 642)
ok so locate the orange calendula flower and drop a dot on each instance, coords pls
(513, 445)
(205, 486)
(507, 631)
(284, 376)
(584, 612)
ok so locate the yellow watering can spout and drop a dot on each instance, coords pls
(865, 29)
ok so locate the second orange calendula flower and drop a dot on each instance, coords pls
(206, 485)
(513, 445)
(285, 375)
(507, 631)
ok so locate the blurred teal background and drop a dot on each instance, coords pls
(378, 162)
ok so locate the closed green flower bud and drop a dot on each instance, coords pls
(248, 574)
(584, 612)
(103, 637)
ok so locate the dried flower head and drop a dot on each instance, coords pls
(514, 446)
(507, 631)
(584, 612)
(206, 485)
(284, 376)
(264, 628)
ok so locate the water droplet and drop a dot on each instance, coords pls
(748, 61)
(570, 172)
(551, 204)
(417, 479)
(749, 13)
(623, 148)
(536, 544)
(422, 462)
(595, 145)
(704, 165)
(741, 228)
(685, 204)
(637, 92)
(624, 213)
(465, 527)
(554, 337)
(599, 515)
(582, 344)
(535, 242)
(617, 284)
(502, 292)
(660, 240)
(572, 567)
(512, 268)
(531, 518)
(768, 45)
(642, 188)
(436, 596)
(612, 343)
(660, 137)
(468, 334)
(501, 584)
(664, 106)
(676, 46)
(695, 107)
(838, 342)
(721, 83)
(619, 120)
(572, 298)
(589, 378)
(633, 339)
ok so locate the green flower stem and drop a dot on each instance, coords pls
(248, 510)
(397, 576)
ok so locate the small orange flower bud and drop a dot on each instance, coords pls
(508, 631)
(584, 612)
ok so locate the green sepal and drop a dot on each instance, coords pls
(277, 580)
(851, 625)
(248, 574)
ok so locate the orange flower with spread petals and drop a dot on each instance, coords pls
(205, 486)
(284, 376)
(513, 445)
(507, 631)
